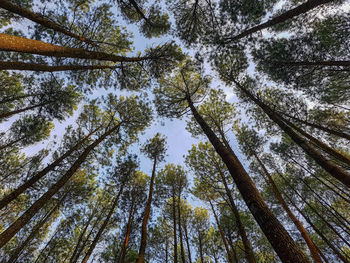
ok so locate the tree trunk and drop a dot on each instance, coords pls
(187, 243)
(223, 238)
(301, 9)
(141, 256)
(11, 113)
(312, 247)
(320, 127)
(330, 167)
(37, 18)
(17, 252)
(311, 63)
(279, 238)
(104, 225)
(248, 250)
(174, 224)
(27, 215)
(10, 143)
(47, 244)
(25, 45)
(201, 247)
(128, 231)
(183, 259)
(15, 193)
(166, 250)
(4, 65)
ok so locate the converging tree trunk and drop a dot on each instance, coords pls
(180, 229)
(279, 238)
(34, 208)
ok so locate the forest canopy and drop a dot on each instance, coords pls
(174, 131)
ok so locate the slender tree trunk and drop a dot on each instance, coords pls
(330, 167)
(17, 252)
(201, 247)
(223, 238)
(104, 225)
(174, 224)
(4, 65)
(10, 99)
(10, 143)
(319, 127)
(141, 256)
(311, 63)
(183, 259)
(301, 9)
(233, 249)
(279, 238)
(27, 215)
(11, 113)
(312, 247)
(15, 193)
(166, 250)
(39, 19)
(248, 250)
(187, 242)
(25, 45)
(128, 231)
(47, 244)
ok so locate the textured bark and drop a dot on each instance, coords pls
(279, 238)
(128, 231)
(301, 9)
(39, 19)
(17, 252)
(142, 250)
(312, 247)
(103, 227)
(5, 65)
(15, 193)
(320, 127)
(334, 170)
(223, 238)
(248, 250)
(31, 211)
(25, 45)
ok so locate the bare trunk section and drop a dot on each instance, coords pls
(174, 226)
(31, 211)
(279, 238)
(141, 256)
(180, 230)
(311, 63)
(11, 113)
(128, 231)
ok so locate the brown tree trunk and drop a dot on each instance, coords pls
(104, 225)
(4, 65)
(11, 113)
(248, 250)
(15, 193)
(47, 244)
(31, 211)
(301, 9)
(10, 143)
(311, 63)
(223, 238)
(312, 247)
(187, 242)
(128, 231)
(17, 252)
(201, 247)
(174, 224)
(180, 230)
(37, 18)
(330, 167)
(141, 256)
(279, 238)
(25, 45)
(319, 127)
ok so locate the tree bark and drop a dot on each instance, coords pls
(39, 19)
(25, 45)
(10, 143)
(201, 247)
(128, 231)
(248, 250)
(11, 113)
(223, 238)
(311, 63)
(104, 225)
(15, 193)
(180, 230)
(312, 247)
(9, 65)
(174, 224)
(141, 256)
(330, 167)
(279, 238)
(301, 9)
(187, 243)
(27, 215)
